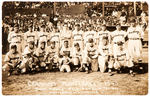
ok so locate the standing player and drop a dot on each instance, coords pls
(77, 36)
(43, 36)
(15, 37)
(135, 34)
(90, 34)
(55, 37)
(101, 34)
(117, 36)
(66, 35)
(30, 36)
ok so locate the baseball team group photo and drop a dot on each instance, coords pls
(74, 48)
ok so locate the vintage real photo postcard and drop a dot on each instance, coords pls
(74, 48)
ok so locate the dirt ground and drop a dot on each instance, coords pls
(75, 83)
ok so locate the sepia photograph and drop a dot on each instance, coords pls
(74, 48)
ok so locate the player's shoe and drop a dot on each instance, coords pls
(131, 73)
(87, 71)
(110, 73)
(9, 74)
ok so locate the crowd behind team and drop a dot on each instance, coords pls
(74, 46)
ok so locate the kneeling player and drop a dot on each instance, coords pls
(89, 57)
(103, 54)
(122, 59)
(30, 61)
(64, 64)
(12, 59)
(41, 55)
(76, 56)
(52, 57)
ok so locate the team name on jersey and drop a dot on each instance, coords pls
(16, 36)
(90, 35)
(103, 34)
(121, 55)
(55, 36)
(134, 32)
(77, 35)
(30, 36)
(118, 35)
(43, 35)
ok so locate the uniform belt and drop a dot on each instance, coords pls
(134, 38)
(16, 42)
(121, 60)
(116, 42)
(77, 39)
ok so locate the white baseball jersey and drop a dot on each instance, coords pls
(89, 35)
(91, 51)
(12, 58)
(66, 34)
(104, 50)
(118, 36)
(55, 36)
(27, 50)
(30, 36)
(43, 36)
(14, 37)
(65, 50)
(77, 36)
(52, 52)
(102, 34)
(135, 32)
(41, 54)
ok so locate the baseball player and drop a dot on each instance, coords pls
(117, 36)
(77, 36)
(122, 59)
(90, 34)
(66, 35)
(41, 54)
(52, 55)
(43, 36)
(103, 58)
(15, 37)
(12, 59)
(65, 49)
(101, 34)
(30, 61)
(64, 64)
(135, 34)
(89, 54)
(30, 36)
(77, 56)
(55, 37)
